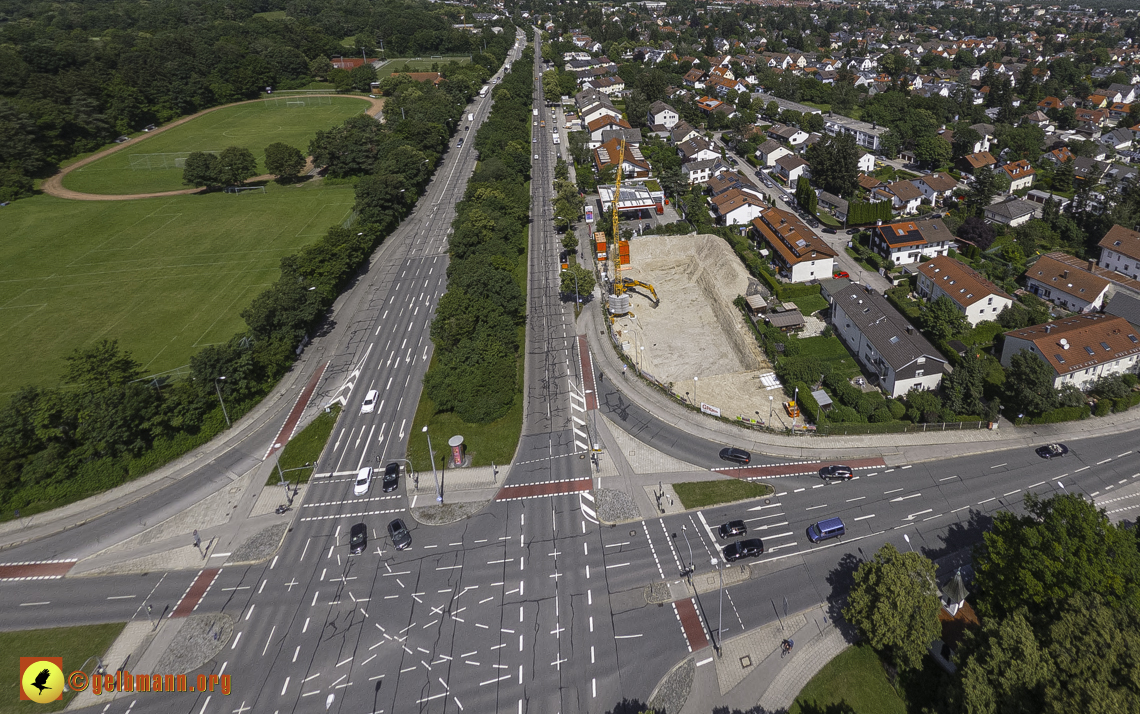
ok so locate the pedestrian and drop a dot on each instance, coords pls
(623, 368)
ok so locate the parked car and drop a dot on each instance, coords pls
(358, 539)
(149, 127)
(852, 231)
(837, 471)
(391, 477)
(735, 455)
(732, 529)
(1050, 451)
(369, 404)
(363, 481)
(122, 139)
(829, 230)
(751, 548)
(841, 274)
(399, 534)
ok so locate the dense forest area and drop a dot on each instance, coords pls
(107, 423)
(476, 330)
(74, 76)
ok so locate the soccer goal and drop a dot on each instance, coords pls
(245, 189)
(168, 160)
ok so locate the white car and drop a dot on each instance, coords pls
(369, 404)
(363, 481)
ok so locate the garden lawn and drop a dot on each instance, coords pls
(419, 64)
(252, 126)
(852, 682)
(810, 303)
(164, 276)
(74, 644)
(700, 494)
(831, 352)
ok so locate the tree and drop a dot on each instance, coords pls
(200, 169)
(577, 280)
(805, 196)
(963, 390)
(1029, 384)
(932, 150)
(235, 166)
(982, 191)
(942, 320)
(1063, 177)
(894, 604)
(362, 77)
(1061, 547)
(320, 67)
(570, 241)
(977, 231)
(284, 161)
(965, 139)
(551, 87)
(834, 164)
(1004, 669)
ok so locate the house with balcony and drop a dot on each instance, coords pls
(1120, 251)
(1081, 348)
(974, 296)
(799, 253)
(1067, 286)
(905, 242)
(885, 342)
(1020, 174)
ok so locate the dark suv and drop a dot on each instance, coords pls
(391, 477)
(735, 455)
(732, 529)
(751, 548)
(358, 539)
(398, 532)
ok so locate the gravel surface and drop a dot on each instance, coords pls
(260, 546)
(447, 513)
(195, 644)
(672, 693)
(616, 506)
(657, 592)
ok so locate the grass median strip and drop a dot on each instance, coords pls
(305, 448)
(700, 494)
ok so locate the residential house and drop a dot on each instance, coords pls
(905, 242)
(1020, 175)
(838, 206)
(632, 136)
(701, 171)
(1125, 306)
(1011, 213)
(865, 163)
(866, 134)
(1038, 119)
(609, 86)
(788, 134)
(1067, 286)
(905, 196)
(770, 151)
(1120, 251)
(596, 111)
(728, 180)
(800, 254)
(868, 183)
(1060, 156)
(697, 149)
(634, 164)
(1117, 282)
(986, 131)
(1123, 93)
(1095, 117)
(604, 123)
(1081, 349)
(971, 163)
(682, 132)
(935, 187)
(790, 168)
(885, 342)
(1088, 169)
(974, 296)
(663, 115)
(736, 207)
(1050, 103)
(1116, 139)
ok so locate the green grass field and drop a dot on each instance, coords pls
(852, 682)
(700, 494)
(417, 65)
(165, 276)
(253, 126)
(74, 644)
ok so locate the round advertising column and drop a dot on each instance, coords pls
(456, 444)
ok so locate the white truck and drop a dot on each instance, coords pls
(470, 117)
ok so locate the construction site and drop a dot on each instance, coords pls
(692, 338)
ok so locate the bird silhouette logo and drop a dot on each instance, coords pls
(41, 679)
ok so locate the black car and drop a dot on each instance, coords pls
(391, 477)
(735, 455)
(732, 529)
(852, 231)
(829, 230)
(1050, 451)
(399, 534)
(751, 548)
(358, 539)
(836, 471)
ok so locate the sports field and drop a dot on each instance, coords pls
(418, 65)
(150, 163)
(164, 276)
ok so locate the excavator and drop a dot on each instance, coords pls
(619, 301)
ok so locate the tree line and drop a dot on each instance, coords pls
(478, 327)
(74, 78)
(108, 422)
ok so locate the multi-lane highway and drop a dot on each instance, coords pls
(530, 605)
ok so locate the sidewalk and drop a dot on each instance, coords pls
(896, 449)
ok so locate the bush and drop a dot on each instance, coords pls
(1103, 407)
(809, 407)
(845, 415)
(881, 414)
(1126, 403)
(1056, 416)
(897, 408)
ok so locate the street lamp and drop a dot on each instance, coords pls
(434, 477)
(281, 476)
(219, 391)
(695, 390)
(907, 539)
(771, 401)
(720, 614)
(688, 570)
